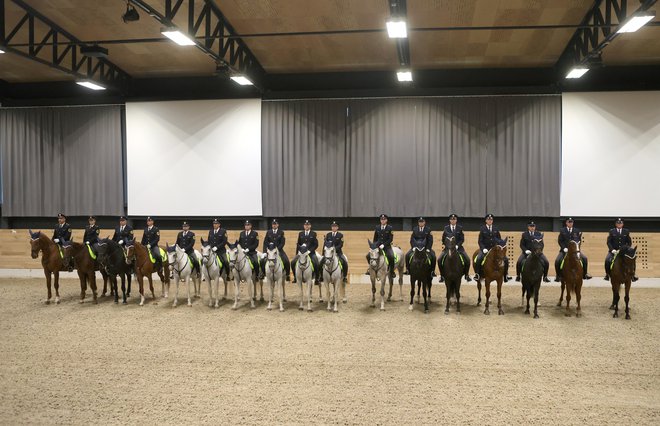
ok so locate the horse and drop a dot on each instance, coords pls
(304, 275)
(622, 272)
(212, 271)
(332, 276)
(571, 277)
(378, 270)
(244, 272)
(532, 274)
(51, 260)
(493, 270)
(421, 269)
(179, 262)
(138, 255)
(86, 267)
(113, 260)
(274, 275)
(452, 269)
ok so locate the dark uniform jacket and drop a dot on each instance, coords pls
(616, 240)
(565, 237)
(250, 242)
(63, 232)
(218, 240)
(151, 236)
(383, 236)
(312, 243)
(488, 239)
(186, 242)
(91, 234)
(526, 240)
(458, 234)
(337, 241)
(275, 237)
(422, 234)
(125, 235)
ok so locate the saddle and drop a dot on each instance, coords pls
(561, 265)
(396, 257)
(163, 255)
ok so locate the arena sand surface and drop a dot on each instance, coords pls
(108, 364)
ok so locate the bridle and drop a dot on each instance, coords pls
(334, 261)
(378, 259)
(176, 261)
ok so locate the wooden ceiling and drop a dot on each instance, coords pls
(368, 51)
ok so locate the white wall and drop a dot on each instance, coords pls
(194, 158)
(610, 154)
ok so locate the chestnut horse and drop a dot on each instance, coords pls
(571, 277)
(86, 267)
(493, 270)
(138, 254)
(622, 272)
(51, 260)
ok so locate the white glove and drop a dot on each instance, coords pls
(566, 250)
(148, 246)
(56, 240)
(382, 246)
(121, 242)
(245, 250)
(215, 249)
(528, 252)
(456, 247)
(303, 245)
(614, 251)
(485, 251)
(87, 242)
(428, 251)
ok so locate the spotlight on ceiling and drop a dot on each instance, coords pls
(404, 76)
(131, 15)
(90, 85)
(577, 71)
(396, 28)
(242, 80)
(637, 21)
(94, 51)
(177, 36)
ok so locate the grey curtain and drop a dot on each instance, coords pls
(418, 156)
(61, 160)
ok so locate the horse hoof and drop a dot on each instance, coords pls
(81, 301)
(269, 308)
(309, 310)
(500, 312)
(329, 309)
(373, 305)
(190, 305)
(117, 302)
(627, 316)
(446, 311)
(527, 311)
(410, 307)
(426, 311)
(284, 300)
(612, 306)
(234, 307)
(281, 309)
(389, 299)
(124, 303)
(486, 312)
(262, 300)
(344, 301)
(47, 302)
(128, 294)
(578, 315)
(301, 309)
(337, 310)
(615, 315)
(174, 305)
(567, 314)
(559, 303)
(536, 316)
(479, 303)
(103, 295)
(382, 309)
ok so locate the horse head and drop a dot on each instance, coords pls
(537, 246)
(206, 251)
(232, 253)
(329, 250)
(272, 253)
(129, 251)
(374, 255)
(450, 244)
(35, 243)
(303, 250)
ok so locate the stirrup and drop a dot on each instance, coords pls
(476, 276)
(606, 277)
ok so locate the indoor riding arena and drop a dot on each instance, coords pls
(329, 212)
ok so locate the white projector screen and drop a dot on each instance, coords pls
(194, 158)
(610, 154)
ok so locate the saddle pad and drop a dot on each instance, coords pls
(163, 255)
(91, 252)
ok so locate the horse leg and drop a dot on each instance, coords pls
(123, 288)
(300, 288)
(561, 296)
(382, 292)
(373, 292)
(425, 291)
(387, 277)
(280, 285)
(176, 291)
(336, 292)
(500, 311)
(93, 285)
(188, 279)
(252, 290)
(578, 296)
(412, 294)
(458, 296)
(48, 286)
(344, 299)
(128, 278)
(326, 284)
(283, 295)
(528, 297)
(479, 290)
(105, 288)
(536, 299)
(82, 277)
(261, 290)
(210, 284)
(616, 287)
(140, 278)
(613, 305)
(447, 286)
(401, 282)
(57, 287)
(626, 298)
(271, 287)
(151, 283)
(568, 302)
(310, 287)
(487, 283)
(237, 288)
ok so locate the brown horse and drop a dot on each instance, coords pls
(86, 267)
(493, 270)
(571, 277)
(139, 256)
(622, 272)
(51, 260)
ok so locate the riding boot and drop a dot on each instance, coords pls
(391, 268)
(607, 270)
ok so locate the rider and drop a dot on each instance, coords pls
(249, 241)
(618, 236)
(566, 234)
(421, 232)
(489, 236)
(276, 236)
(91, 236)
(186, 241)
(61, 236)
(455, 230)
(123, 232)
(383, 236)
(150, 239)
(218, 241)
(307, 238)
(526, 240)
(337, 239)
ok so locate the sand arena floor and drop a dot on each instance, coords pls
(112, 364)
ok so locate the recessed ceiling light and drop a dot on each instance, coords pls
(404, 76)
(396, 28)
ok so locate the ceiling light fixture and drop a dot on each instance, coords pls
(636, 22)
(1, 51)
(90, 85)
(242, 80)
(404, 76)
(396, 28)
(577, 71)
(131, 15)
(177, 36)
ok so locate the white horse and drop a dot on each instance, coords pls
(182, 269)
(378, 270)
(304, 275)
(332, 275)
(274, 274)
(243, 273)
(211, 265)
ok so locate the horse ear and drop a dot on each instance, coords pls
(542, 234)
(370, 243)
(30, 232)
(167, 245)
(635, 249)
(202, 239)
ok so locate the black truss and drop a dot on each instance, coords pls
(65, 54)
(206, 26)
(398, 9)
(597, 30)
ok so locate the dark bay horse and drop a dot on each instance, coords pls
(421, 268)
(113, 260)
(622, 272)
(571, 277)
(452, 269)
(493, 270)
(86, 267)
(532, 274)
(51, 260)
(139, 256)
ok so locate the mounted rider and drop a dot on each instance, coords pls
(421, 232)
(276, 236)
(186, 241)
(455, 230)
(526, 241)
